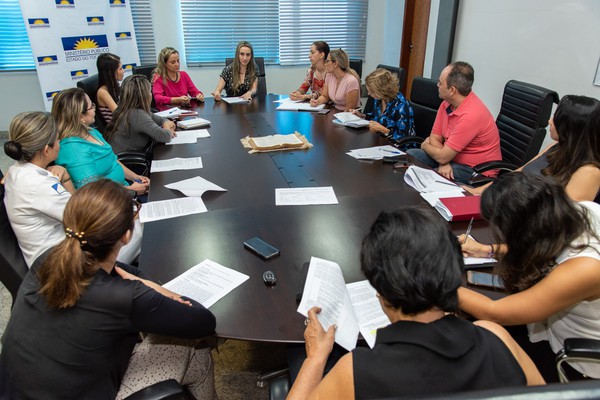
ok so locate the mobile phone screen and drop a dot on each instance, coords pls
(261, 248)
(484, 279)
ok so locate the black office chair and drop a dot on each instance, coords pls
(522, 122)
(356, 64)
(400, 72)
(148, 72)
(90, 87)
(261, 90)
(577, 350)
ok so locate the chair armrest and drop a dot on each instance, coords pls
(134, 156)
(490, 165)
(405, 141)
(586, 348)
(170, 389)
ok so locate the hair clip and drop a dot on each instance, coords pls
(77, 235)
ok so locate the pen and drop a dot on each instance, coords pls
(391, 151)
(468, 230)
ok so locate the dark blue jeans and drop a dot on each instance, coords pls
(462, 173)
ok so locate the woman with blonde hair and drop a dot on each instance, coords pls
(315, 76)
(84, 152)
(134, 126)
(240, 78)
(342, 83)
(392, 116)
(110, 73)
(46, 344)
(170, 86)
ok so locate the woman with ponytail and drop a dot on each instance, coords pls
(77, 315)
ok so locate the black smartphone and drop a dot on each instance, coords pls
(261, 248)
(484, 279)
(324, 111)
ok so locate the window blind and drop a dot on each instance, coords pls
(341, 23)
(144, 33)
(15, 51)
(212, 29)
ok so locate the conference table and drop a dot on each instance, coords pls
(253, 310)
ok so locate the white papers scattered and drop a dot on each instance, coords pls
(375, 153)
(433, 198)
(207, 282)
(184, 137)
(200, 133)
(165, 209)
(286, 100)
(175, 164)
(367, 309)
(175, 112)
(325, 288)
(288, 104)
(427, 180)
(305, 196)
(351, 120)
(234, 100)
(194, 187)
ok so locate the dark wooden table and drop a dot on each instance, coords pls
(254, 311)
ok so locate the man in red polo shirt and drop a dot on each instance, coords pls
(464, 133)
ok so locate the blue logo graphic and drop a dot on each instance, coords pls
(88, 47)
(65, 3)
(47, 60)
(116, 3)
(97, 20)
(123, 35)
(50, 95)
(129, 67)
(79, 74)
(38, 22)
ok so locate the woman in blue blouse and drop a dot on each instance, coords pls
(83, 151)
(392, 116)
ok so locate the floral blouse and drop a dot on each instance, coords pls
(315, 85)
(227, 76)
(397, 117)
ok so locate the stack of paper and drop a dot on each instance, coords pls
(189, 136)
(427, 180)
(289, 104)
(235, 100)
(375, 153)
(175, 112)
(350, 120)
(193, 123)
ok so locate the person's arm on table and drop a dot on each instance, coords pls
(300, 93)
(217, 92)
(250, 93)
(322, 99)
(472, 248)
(571, 282)
(140, 183)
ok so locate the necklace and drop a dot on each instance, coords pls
(176, 77)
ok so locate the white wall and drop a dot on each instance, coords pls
(551, 43)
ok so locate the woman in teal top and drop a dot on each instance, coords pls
(84, 152)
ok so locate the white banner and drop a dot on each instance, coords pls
(67, 36)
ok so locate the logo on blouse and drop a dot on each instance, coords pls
(50, 95)
(116, 3)
(65, 3)
(89, 47)
(79, 74)
(47, 60)
(123, 35)
(95, 20)
(38, 23)
(59, 188)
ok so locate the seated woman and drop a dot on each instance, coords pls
(110, 73)
(414, 262)
(240, 78)
(134, 126)
(170, 86)
(574, 160)
(392, 116)
(84, 152)
(551, 265)
(47, 352)
(35, 194)
(342, 83)
(315, 76)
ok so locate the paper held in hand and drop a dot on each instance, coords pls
(350, 120)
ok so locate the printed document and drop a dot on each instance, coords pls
(367, 309)
(433, 198)
(184, 137)
(305, 196)
(351, 120)
(234, 100)
(175, 112)
(194, 187)
(427, 180)
(375, 153)
(291, 105)
(176, 164)
(165, 209)
(207, 282)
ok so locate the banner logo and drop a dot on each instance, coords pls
(47, 60)
(129, 67)
(65, 3)
(123, 35)
(95, 20)
(78, 48)
(116, 3)
(38, 22)
(79, 74)
(50, 95)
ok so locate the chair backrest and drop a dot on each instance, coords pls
(261, 90)
(356, 64)
(90, 87)
(12, 264)
(400, 72)
(522, 120)
(425, 102)
(147, 71)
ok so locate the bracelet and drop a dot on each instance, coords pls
(491, 253)
(66, 180)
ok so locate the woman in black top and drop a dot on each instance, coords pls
(76, 318)
(240, 78)
(415, 264)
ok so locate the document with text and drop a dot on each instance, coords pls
(291, 105)
(427, 180)
(194, 187)
(176, 164)
(165, 209)
(375, 153)
(367, 309)
(207, 282)
(184, 137)
(305, 196)
(234, 100)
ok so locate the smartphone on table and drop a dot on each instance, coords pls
(261, 248)
(489, 280)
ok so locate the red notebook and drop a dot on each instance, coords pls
(461, 208)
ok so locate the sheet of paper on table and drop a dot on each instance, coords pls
(291, 105)
(427, 180)
(375, 153)
(194, 187)
(176, 164)
(207, 282)
(165, 209)
(184, 137)
(305, 196)
(234, 100)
